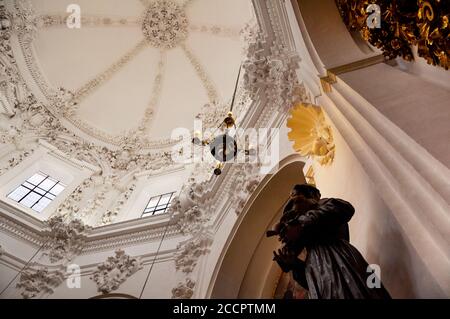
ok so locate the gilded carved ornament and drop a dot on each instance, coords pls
(311, 135)
(404, 23)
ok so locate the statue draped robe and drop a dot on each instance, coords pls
(333, 268)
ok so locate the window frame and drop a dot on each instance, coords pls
(155, 209)
(35, 189)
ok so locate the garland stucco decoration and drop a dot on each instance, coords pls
(184, 290)
(110, 215)
(192, 204)
(247, 180)
(194, 207)
(12, 90)
(24, 20)
(15, 159)
(71, 205)
(108, 73)
(65, 239)
(188, 253)
(273, 72)
(35, 282)
(60, 20)
(115, 271)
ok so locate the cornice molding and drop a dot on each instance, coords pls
(29, 229)
(330, 79)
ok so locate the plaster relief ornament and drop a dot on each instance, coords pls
(15, 159)
(25, 20)
(311, 134)
(188, 253)
(247, 180)
(95, 203)
(191, 205)
(70, 208)
(34, 282)
(110, 215)
(165, 24)
(184, 290)
(65, 239)
(112, 273)
(272, 74)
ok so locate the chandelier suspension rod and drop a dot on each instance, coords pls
(235, 88)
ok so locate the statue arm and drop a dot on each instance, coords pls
(331, 213)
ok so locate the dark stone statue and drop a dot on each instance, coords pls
(333, 268)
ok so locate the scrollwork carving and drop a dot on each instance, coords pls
(188, 253)
(191, 205)
(424, 23)
(247, 179)
(65, 239)
(15, 159)
(110, 215)
(70, 207)
(34, 282)
(25, 20)
(115, 271)
(184, 290)
(273, 73)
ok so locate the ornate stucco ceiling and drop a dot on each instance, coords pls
(142, 67)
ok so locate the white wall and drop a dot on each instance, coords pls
(373, 229)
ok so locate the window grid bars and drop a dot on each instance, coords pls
(33, 190)
(152, 210)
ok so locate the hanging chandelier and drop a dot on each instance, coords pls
(223, 146)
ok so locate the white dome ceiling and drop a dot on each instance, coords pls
(122, 78)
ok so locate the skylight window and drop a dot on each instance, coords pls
(158, 204)
(37, 192)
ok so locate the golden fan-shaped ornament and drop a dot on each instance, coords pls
(311, 135)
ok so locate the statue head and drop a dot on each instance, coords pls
(307, 191)
(303, 197)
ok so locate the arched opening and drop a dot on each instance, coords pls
(247, 269)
